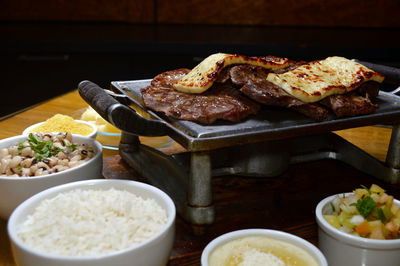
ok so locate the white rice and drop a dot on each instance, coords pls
(92, 222)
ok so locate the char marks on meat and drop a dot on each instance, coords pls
(253, 83)
(369, 90)
(168, 78)
(268, 93)
(221, 101)
(349, 104)
(355, 103)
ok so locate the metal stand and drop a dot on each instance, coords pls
(187, 177)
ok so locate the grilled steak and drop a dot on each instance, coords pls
(253, 83)
(269, 94)
(369, 90)
(349, 104)
(227, 100)
(222, 101)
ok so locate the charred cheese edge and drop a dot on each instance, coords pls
(318, 79)
(200, 78)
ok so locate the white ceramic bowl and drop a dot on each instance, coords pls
(274, 234)
(344, 249)
(93, 134)
(14, 190)
(153, 251)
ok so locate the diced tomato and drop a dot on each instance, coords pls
(394, 209)
(392, 227)
(377, 233)
(386, 199)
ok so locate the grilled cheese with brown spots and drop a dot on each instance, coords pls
(202, 77)
(318, 79)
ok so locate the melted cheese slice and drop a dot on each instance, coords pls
(318, 79)
(200, 78)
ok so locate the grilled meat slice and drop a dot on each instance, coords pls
(221, 101)
(241, 74)
(358, 102)
(168, 78)
(349, 104)
(267, 93)
(253, 83)
(369, 90)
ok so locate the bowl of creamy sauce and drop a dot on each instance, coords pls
(261, 247)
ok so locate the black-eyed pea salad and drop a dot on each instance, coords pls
(367, 212)
(42, 154)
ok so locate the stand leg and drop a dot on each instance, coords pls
(393, 154)
(200, 208)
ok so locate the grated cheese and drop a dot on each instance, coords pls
(62, 123)
(253, 257)
(91, 222)
(260, 250)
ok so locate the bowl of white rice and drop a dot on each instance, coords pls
(94, 222)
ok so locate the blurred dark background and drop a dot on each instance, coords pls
(47, 47)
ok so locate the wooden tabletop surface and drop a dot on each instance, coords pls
(372, 139)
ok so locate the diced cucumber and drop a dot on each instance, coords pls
(386, 212)
(376, 189)
(374, 224)
(344, 219)
(333, 220)
(360, 192)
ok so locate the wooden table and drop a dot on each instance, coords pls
(285, 203)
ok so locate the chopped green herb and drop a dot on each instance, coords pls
(333, 207)
(73, 146)
(21, 145)
(364, 187)
(365, 205)
(381, 215)
(42, 148)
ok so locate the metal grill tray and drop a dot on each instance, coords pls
(275, 138)
(270, 123)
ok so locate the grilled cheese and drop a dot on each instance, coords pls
(200, 78)
(318, 79)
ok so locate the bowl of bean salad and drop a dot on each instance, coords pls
(32, 163)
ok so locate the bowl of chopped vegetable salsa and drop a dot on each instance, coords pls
(360, 227)
(32, 163)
